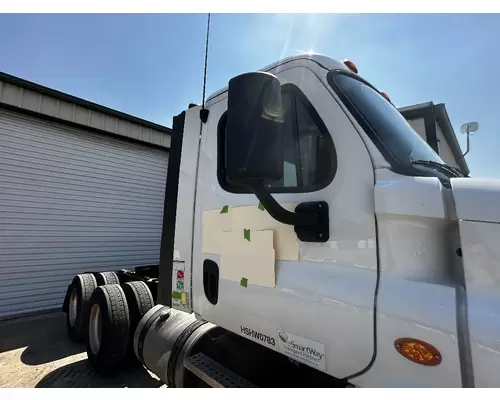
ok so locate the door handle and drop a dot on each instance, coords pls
(211, 281)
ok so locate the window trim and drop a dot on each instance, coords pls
(315, 117)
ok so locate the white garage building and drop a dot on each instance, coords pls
(81, 189)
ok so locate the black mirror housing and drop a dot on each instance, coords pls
(254, 151)
(253, 140)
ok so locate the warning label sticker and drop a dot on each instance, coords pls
(301, 349)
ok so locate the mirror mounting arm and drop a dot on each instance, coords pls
(310, 219)
(280, 214)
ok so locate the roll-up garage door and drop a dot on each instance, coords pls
(72, 201)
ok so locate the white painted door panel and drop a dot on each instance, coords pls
(327, 296)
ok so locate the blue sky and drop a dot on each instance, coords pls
(151, 66)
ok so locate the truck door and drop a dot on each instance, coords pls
(312, 301)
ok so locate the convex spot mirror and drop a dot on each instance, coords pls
(254, 141)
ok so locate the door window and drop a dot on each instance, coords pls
(310, 160)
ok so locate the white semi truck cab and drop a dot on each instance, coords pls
(312, 238)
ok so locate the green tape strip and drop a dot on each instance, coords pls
(244, 282)
(176, 295)
(246, 234)
(224, 210)
(261, 206)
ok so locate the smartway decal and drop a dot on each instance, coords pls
(307, 351)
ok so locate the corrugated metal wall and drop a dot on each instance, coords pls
(17, 96)
(72, 201)
(418, 125)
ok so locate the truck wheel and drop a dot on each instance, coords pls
(140, 301)
(79, 293)
(106, 278)
(108, 329)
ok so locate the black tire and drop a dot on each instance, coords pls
(140, 301)
(106, 278)
(79, 294)
(110, 355)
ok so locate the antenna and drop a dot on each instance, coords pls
(470, 128)
(203, 111)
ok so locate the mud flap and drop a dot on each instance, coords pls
(66, 300)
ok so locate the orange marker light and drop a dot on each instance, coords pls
(418, 351)
(351, 66)
(386, 97)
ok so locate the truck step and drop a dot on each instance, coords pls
(214, 374)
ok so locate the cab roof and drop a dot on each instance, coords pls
(323, 61)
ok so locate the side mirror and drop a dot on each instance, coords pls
(254, 151)
(254, 142)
